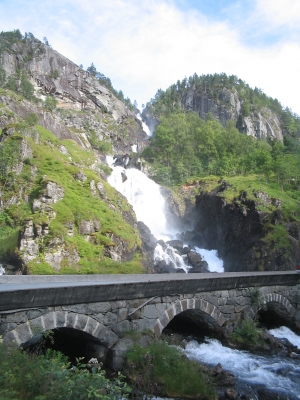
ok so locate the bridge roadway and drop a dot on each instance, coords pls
(27, 291)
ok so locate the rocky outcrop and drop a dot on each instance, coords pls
(238, 230)
(226, 106)
(85, 108)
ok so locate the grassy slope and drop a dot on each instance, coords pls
(78, 204)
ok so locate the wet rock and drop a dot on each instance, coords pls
(177, 244)
(194, 258)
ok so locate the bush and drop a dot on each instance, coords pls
(164, 369)
(246, 332)
(51, 377)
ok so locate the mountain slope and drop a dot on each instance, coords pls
(57, 213)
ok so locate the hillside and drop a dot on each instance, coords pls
(231, 155)
(57, 121)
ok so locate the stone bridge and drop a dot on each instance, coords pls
(102, 311)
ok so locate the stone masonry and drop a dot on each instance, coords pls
(109, 321)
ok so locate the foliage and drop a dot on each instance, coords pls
(51, 377)
(163, 366)
(32, 119)
(50, 103)
(185, 146)
(9, 156)
(166, 102)
(246, 332)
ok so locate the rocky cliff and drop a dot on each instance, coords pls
(58, 214)
(224, 103)
(249, 230)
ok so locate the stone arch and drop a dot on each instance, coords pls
(187, 304)
(272, 298)
(61, 319)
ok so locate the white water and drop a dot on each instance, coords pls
(148, 204)
(284, 332)
(145, 127)
(215, 264)
(275, 373)
(144, 196)
(2, 270)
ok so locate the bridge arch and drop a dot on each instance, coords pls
(61, 319)
(184, 305)
(279, 302)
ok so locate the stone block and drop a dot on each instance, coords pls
(122, 314)
(142, 325)
(11, 338)
(81, 322)
(117, 304)
(92, 327)
(110, 319)
(150, 311)
(158, 328)
(178, 307)
(161, 308)
(18, 317)
(71, 320)
(31, 314)
(164, 319)
(109, 338)
(37, 325)
(184, 304)
(49, 321)
(61, 319)
(121, 327)
(24, 333)
(227, 309)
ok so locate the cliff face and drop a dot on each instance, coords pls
(82, 103)
(225, 105)
(58, 214)
(250, 234)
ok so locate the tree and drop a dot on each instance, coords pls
(50, 103)
(2, 76)
(26, 88)
(32, 119)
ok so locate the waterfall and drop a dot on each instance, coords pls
(145, 127)
(148, 203)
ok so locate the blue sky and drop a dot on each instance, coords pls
(146, 45)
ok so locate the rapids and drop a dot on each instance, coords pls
(281, 375)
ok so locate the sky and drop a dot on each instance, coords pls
(146, 45)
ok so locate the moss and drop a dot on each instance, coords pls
(8, 240)
(38, 267)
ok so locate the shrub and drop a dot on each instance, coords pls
(51, 377)
(246, 332)
(165, 367)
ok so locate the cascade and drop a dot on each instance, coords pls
(277, 374)
(148, 203)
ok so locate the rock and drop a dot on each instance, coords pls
(194, 258)
(231, 394)
(149, 241)
(176, 244)
(80, 176)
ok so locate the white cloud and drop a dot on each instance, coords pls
(144, 46)
(280, 13)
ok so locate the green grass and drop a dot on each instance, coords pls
(165, 366)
